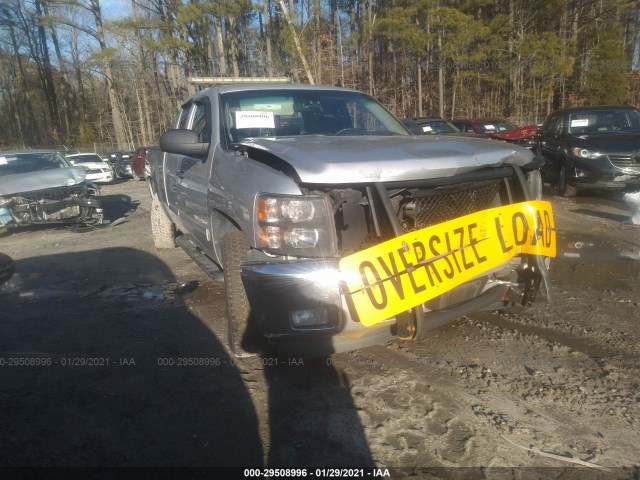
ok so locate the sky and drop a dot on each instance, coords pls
(113, 9)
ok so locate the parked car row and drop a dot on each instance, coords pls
(496, 128)
(593, 147)
(118, 164)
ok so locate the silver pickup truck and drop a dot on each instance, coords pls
(335, 227)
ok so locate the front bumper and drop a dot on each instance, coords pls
(602, 174)
(281, 294)
(106, 177)
(604, 182)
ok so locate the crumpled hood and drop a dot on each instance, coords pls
(33, 181)
(358, 159)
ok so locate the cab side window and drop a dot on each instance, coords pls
(199, 124)
(183, 116)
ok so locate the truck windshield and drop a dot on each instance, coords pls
(277, 113)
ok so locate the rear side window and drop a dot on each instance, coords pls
(199, 124)
(183, 117)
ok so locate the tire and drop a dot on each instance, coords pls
(162, 229)
(562, 187)
(242, 338)
(7, 268)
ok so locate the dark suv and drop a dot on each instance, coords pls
(590, 147)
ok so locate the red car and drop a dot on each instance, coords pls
(499, 129)
(138, 162)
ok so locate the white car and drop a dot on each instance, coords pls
(98, 170)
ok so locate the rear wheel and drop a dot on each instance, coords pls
(562, 187)
(242, 338)
(162, 229)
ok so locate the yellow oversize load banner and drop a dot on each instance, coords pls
(406, 271)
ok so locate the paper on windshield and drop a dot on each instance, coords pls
(581, 122)
(255, 119)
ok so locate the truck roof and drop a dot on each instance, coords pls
(238, 87)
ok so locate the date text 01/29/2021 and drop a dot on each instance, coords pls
(406, 271)
(317, 473)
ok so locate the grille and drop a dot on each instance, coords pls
(625, 161)
(447, 206)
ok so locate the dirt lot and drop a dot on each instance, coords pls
(113, 354)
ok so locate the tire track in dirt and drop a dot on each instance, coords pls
(448, 402)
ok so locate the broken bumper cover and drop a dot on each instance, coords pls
(300, 307)
(57, 205)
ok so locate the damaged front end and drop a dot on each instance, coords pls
(40, 187)
(374, 213)
(74, 204)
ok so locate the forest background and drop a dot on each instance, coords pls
(74, 74)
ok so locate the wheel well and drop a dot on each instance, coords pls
(220, 225)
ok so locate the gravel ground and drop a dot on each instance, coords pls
(113, 355)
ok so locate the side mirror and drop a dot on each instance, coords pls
(183, 142)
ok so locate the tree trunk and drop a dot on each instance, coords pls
(26, 97)
(267, 36)
(419, 88)
(222, 64)
(296, 41)
(69, 104)
(317, 43)
(50, 89)
(440, 78)
(116, 113)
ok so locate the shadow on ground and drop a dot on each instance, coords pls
(112, 370)
(106, 378)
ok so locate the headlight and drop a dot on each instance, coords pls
(295, 225)
(584, 153)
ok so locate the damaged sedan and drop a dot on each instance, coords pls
(41, 187)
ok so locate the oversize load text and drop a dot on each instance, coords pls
(406, 271)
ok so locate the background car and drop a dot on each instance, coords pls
(138, 163)
(41, 187)
(112, 156)
(523, 136)
(590, 147)
(122, 166)
(499, 129)
(485, 126)
(430, 126)
(98, 170)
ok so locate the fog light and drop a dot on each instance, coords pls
(310, 317)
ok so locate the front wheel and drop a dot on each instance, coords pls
(562, 187)
(242, 338)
